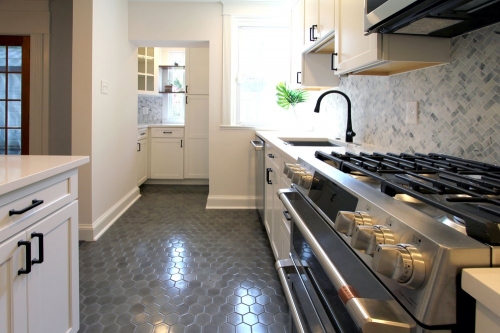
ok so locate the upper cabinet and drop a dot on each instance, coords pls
(380, 54)
(197, 71)
(147, 70)
(318, 20)
(312, 18)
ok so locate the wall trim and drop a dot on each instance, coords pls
(98, 228)
(231, 202)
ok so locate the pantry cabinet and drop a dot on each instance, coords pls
(380, 54)
(196, 136)
(167, 153)
(39, 250)
(197, 70)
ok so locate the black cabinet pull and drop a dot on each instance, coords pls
(270, 155)
(181, 143)
(34, 203)
(332, 62)
(40, 248)
(167, 132)
(299, 81)
(26, 270)
(138, 146)
(268, 170)
(287, 215)
(186, 89)
(312, 38)
(186, 99)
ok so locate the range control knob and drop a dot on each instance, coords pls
(305, 180)
(345, 222)
(366, 238)
(401, 262)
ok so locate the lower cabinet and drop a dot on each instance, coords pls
(142, 161)
(196, 135)
(39, 276)
(167, 158)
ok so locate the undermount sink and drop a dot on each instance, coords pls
(310, 143)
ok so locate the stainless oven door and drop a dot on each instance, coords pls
(327, 287)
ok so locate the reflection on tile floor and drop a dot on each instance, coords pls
(170, 266)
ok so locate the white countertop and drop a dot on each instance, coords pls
(484, 285)
(22, 170)
(159, 125)
(295, 152)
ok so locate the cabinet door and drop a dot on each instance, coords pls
(269, 196)
(196, 135)
(311, 9)
(13, 287)
(53, 284)
(197, 71)
(326, 17)
(167, 158)
(354, 49)
(142, 161)
(297, 46)
(147, 70)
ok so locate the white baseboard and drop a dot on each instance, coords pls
(231, 202)
(177, 181)
(106, 220)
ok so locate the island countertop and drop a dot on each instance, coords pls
(17, 171)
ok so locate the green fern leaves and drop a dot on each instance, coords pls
(288, 97)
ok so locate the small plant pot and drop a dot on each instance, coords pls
(168, 88)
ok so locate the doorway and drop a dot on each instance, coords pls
(14, 94)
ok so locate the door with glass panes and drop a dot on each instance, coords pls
(14, 95)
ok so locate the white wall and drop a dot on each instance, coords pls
(104, 125)
(230, 154)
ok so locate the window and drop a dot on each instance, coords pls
(257, 59)
(14, 95)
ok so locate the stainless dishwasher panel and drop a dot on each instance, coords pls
(260, 168)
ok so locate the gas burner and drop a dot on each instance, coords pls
(438, 185)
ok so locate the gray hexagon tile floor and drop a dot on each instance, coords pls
(168, 265)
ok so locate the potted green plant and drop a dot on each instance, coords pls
(290, 97)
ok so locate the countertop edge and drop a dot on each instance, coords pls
(59, 164)
(483, 284)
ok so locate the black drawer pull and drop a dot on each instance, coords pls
(40, 248)
(287, 215)
(167, 132)
(270, 155)
(34, 203)
(27, 270)
(269, 181)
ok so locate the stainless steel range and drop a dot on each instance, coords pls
(378, 241)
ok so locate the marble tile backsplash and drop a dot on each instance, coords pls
(154, 104)
(459, 103)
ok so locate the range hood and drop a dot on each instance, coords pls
(444, 18)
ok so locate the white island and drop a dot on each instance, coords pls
(39, 243)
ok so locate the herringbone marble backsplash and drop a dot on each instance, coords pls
(459, 103)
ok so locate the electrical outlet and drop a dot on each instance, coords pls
(104, 87)
(145, 110)
(412, 113)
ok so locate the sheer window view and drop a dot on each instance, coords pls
(177, 78)
(11, 65)
(263, 59)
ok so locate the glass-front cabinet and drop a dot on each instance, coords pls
(146, 69)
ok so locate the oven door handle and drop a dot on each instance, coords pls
(370, 315)
(297, 319)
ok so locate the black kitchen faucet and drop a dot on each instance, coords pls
(349, 134)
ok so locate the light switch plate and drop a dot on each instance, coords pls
(412, 113)
(104, 87)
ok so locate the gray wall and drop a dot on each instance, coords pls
(61, 27)
(459, 103)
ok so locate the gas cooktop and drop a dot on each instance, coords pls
(461, 193)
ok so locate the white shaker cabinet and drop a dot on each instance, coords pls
(39, 245)
(197, 69)
(318, 20)
(380, 54)
(142, 156)
(196, 137)
(167, 153)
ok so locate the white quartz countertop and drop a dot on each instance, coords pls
(294, 152)
(159, 125)
(484, 285)
(19, 171)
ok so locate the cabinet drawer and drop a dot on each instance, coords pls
(274, 155)
(55, 192)
(166, 132)
(142, 133)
